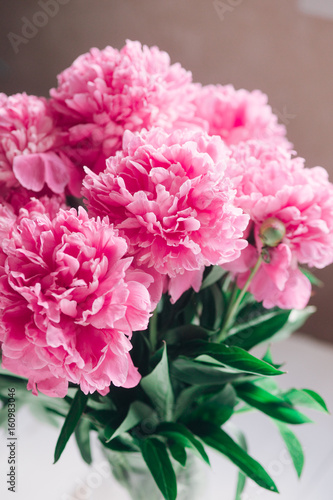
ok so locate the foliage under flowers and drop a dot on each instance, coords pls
(131, 316)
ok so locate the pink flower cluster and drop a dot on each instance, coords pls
(178, 177)
(106, 92)
(167, 194)
(30, 149)
(238, 115)
(70, 300)
(272, 185)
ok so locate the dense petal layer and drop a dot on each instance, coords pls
(70, 301)
(167, 194)
(271, 185)
(31, 153)
(106, 92)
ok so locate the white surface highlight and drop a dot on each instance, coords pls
(320, 8)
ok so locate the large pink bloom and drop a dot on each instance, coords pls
(106, 92)
(30, 154)
(238, 115)
(9, 216)
(167, 194)
(271, 184)
(69, 302)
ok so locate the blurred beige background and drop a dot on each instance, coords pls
(284, 48)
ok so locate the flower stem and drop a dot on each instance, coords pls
(235, 303)
(153, 332)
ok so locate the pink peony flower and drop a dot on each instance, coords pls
(69, 301)
(7, 219)
(44, 205)
(274, 188)
(238, 115)
(106, 92)
(30, 154)
(167, 194)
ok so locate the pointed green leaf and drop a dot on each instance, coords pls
(307, 398)
(215, 275)
(212, 308)
(268, 356)
(218, 439)
(185, 333)
(82, 436)
(188, 396)
(73, 417)
(155, 455)
(194, 372)
(183, 436)
(241, 482)
(311, 277)
(137, 412)
(293, 445)
(295, 321)
(217, 408)
(178, 452)
(123, 443)
(158, 388)
(258, 330)
(270, 404)
(233, 357)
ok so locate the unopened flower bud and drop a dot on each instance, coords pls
(272, 232)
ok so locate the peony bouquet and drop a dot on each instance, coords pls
(153, 231)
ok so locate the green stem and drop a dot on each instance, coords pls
(153, 331)
(234, 304)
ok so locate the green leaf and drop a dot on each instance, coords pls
(268, 357)
(212, 308)
(217, 408)
(296, 320)
(241, 482)
(215, 275)
(137, 412)
(293, 445)
(194, 372)
(155, 455)
(123, 443)
(82, 436)
(188, 396)
(270, 385)
(73, 417)
(9, 380)
(184, 333)
(270, 404)
(307, 398)
(158, 388)
(178, 452)
(218, 439)
(311, 277)
(169, 313)
(258, 330)
(104, 404)
(183, 436)
(140, 352)
(233, 357)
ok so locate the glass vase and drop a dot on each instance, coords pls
(131, 471)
